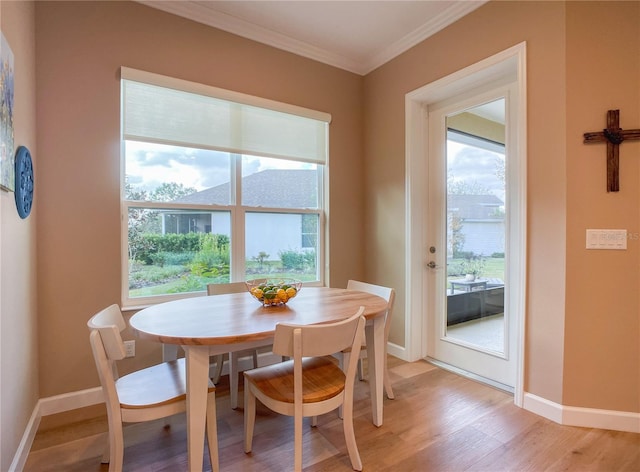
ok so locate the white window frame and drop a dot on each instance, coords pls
(236, 209)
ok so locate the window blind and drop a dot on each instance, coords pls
(177, 112)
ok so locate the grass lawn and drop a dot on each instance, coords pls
(180, 280)
(177, 279)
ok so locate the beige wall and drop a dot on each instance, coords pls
(18, 324)
(602, 321)
(582, 330)
(81, 46)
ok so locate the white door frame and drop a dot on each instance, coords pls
(506, 66)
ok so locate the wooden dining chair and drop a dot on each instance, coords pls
(389, 295)
(217, 289)
(311, 383)
(144, 395)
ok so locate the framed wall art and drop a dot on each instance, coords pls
(7, 158)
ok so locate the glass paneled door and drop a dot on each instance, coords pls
(468, 220)
(475, 210)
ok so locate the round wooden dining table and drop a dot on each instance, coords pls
(218, 324)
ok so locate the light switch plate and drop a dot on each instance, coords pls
(607, 239)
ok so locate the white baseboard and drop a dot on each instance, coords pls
(566, 415)
(543, 407)
(70, 401)
(584, 417)
(22, 453)
(397, 351)
(51, 406)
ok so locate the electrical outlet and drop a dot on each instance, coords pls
(130, 348)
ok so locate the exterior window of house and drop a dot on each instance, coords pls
(217, 187)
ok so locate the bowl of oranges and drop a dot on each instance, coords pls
(273, 292)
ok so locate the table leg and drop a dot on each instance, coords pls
(375, 356)
(233, 379)
(169, 352)
(197, 360)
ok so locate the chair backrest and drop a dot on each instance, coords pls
(319, 340)
(387, 293)
(109, 323)
(299, 342)
(108, 347)
(233, 287)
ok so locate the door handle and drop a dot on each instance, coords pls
(431, 265)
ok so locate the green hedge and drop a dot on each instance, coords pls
(155, 248)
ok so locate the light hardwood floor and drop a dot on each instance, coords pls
(438, 422)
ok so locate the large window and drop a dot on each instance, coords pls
(217, 187)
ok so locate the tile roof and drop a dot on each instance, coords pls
(279, 188)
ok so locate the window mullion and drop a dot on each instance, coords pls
(237, 221)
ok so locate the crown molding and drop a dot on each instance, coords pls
(449, 16)
(246, 29)
(210, 17)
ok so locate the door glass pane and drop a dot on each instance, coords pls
(476, 197)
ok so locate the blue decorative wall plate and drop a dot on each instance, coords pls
(24, 182)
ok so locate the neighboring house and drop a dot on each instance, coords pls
(482, 223)
(274, 188)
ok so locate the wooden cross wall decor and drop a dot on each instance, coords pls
(613, 135)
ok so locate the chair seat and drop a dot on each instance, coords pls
(322, 379)
(160, 384)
